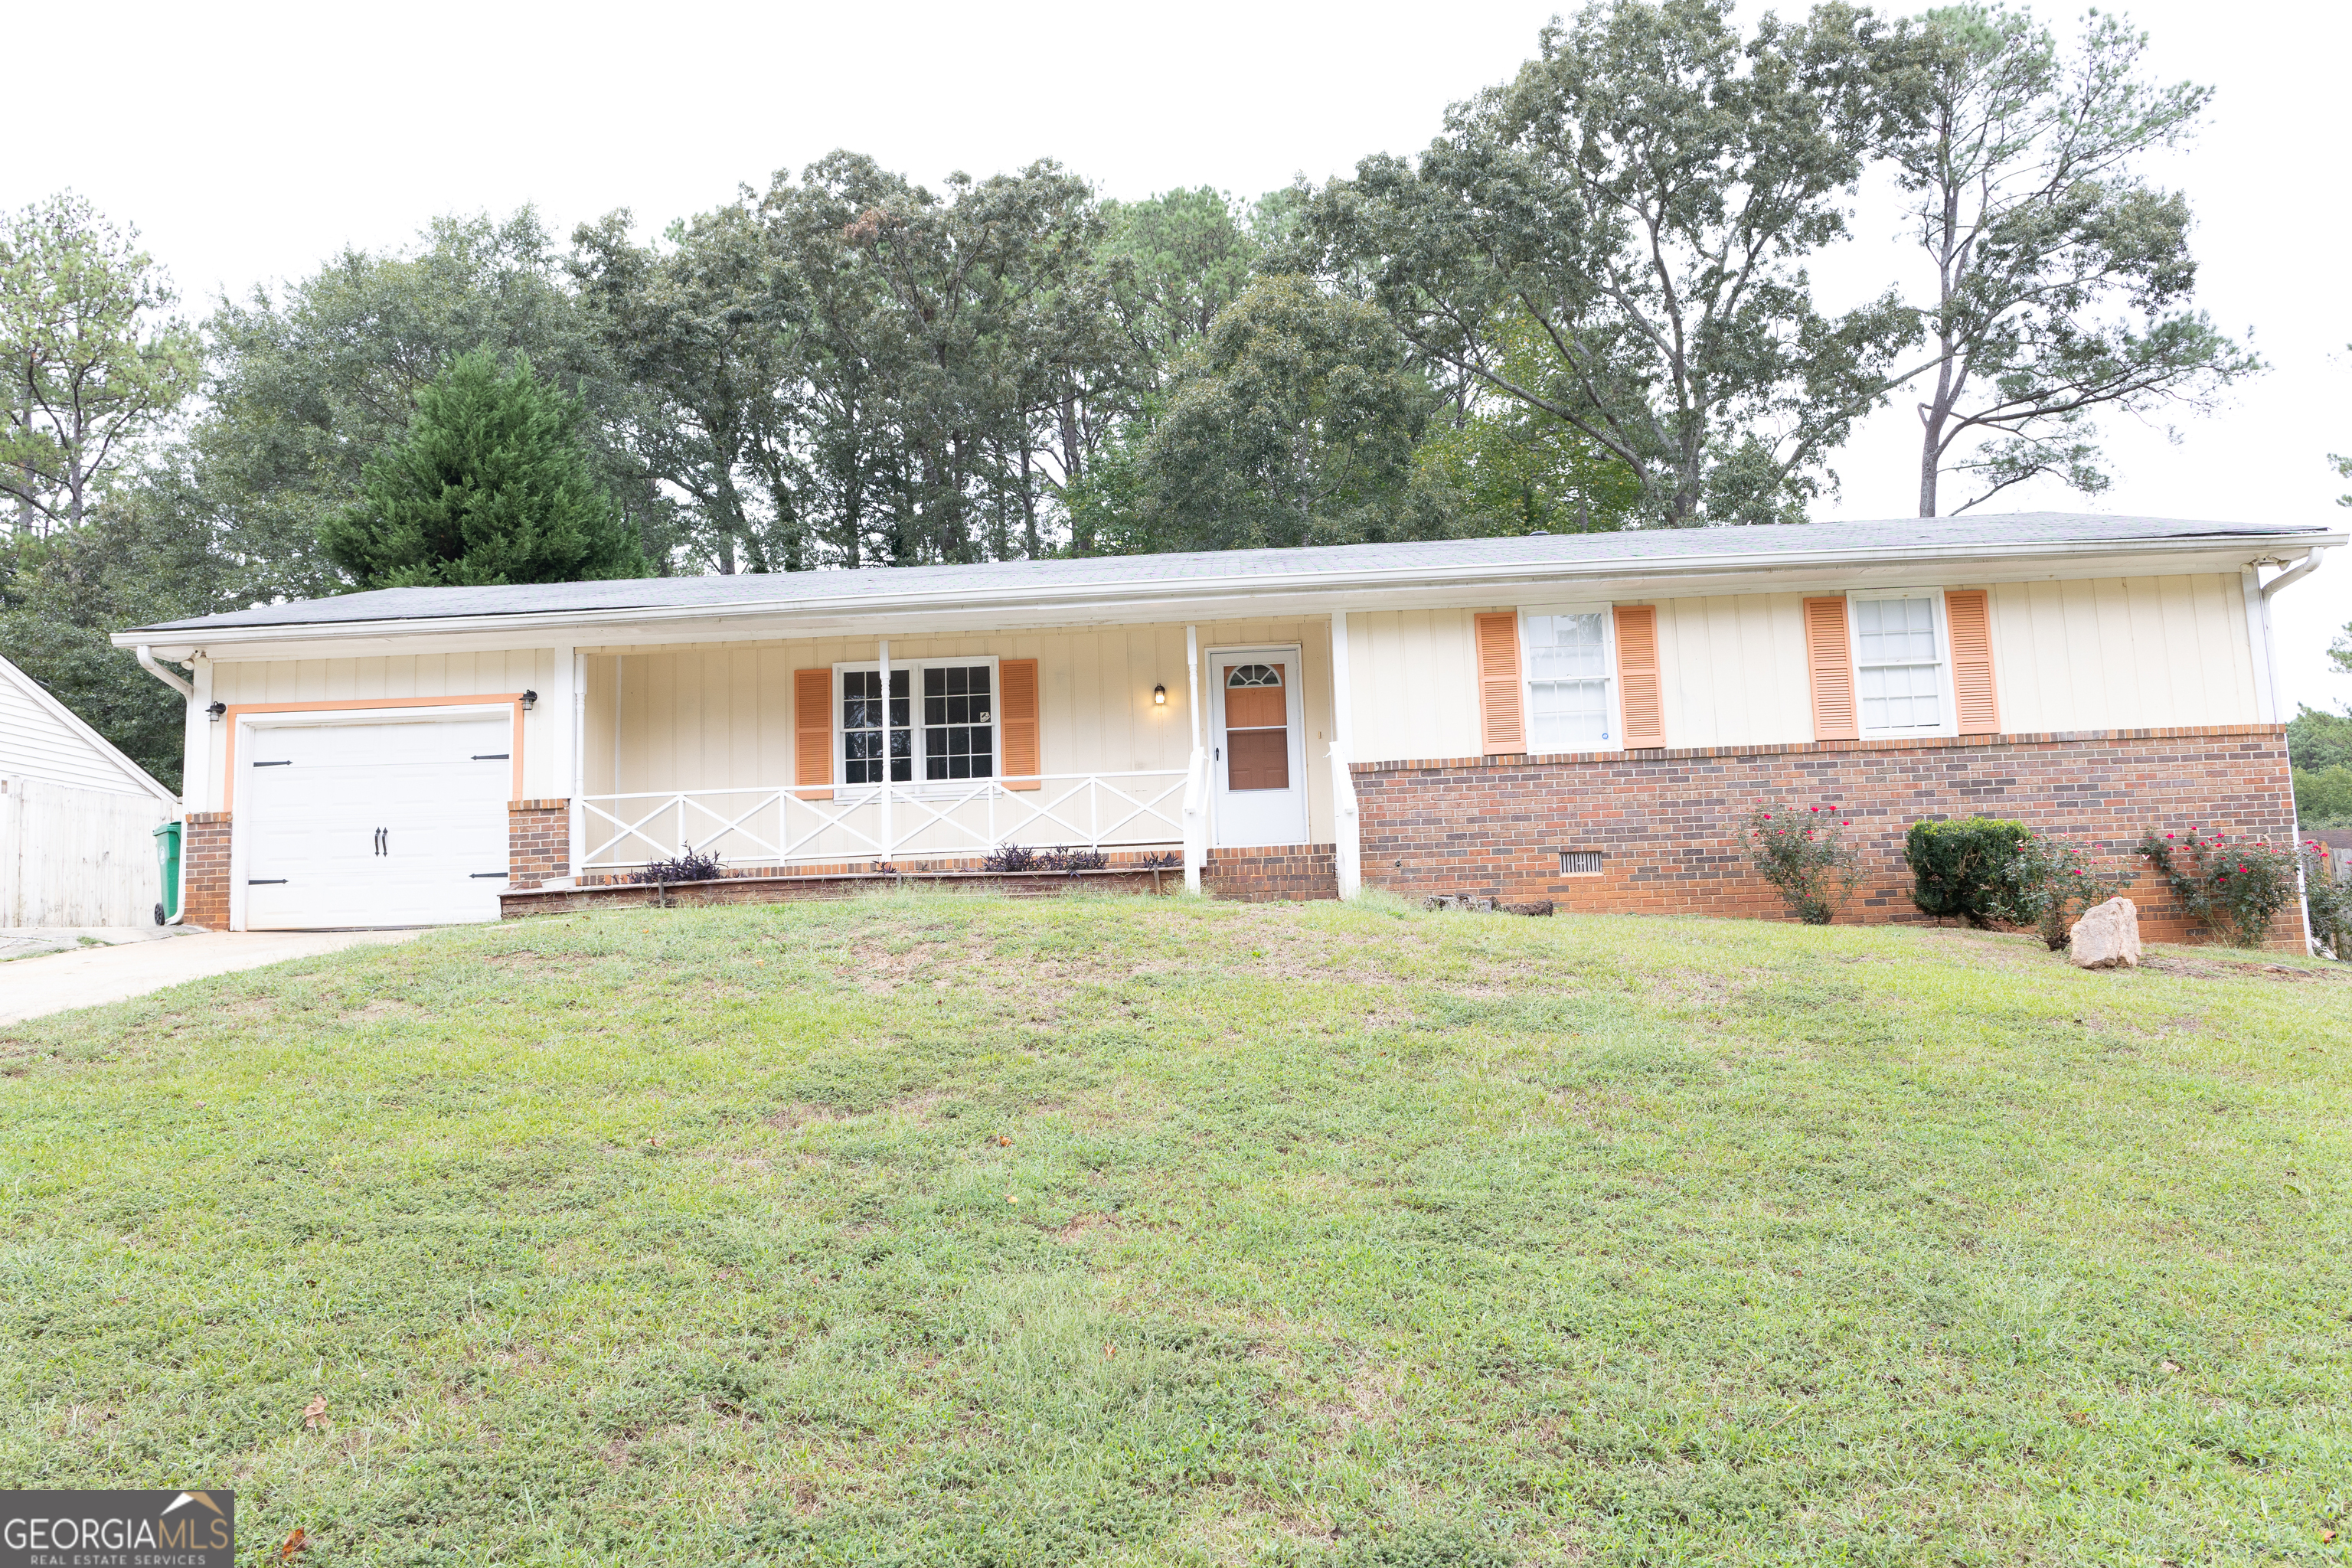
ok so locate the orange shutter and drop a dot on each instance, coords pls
(1829, 657)
(1016, 722)
(812, 731)
(1969, 617)
(1501, 711)
(1639, 685)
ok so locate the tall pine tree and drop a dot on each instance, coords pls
(491, 484)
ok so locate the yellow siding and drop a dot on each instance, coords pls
(1734, 670)
(2123, 653)
(1414, 678)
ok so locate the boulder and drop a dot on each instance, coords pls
(2107, 937)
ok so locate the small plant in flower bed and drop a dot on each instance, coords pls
(2234, 888)
(689, 866)
(1805, 855)
(2049, 881)
(1013, 858)
(2328, 896)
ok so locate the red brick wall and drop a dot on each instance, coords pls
(203, 850)
(539, 841)
(1668, 823)
(1274, 874)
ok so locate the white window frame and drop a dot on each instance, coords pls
(1947, 711)
(914, 668)
(1615, 740)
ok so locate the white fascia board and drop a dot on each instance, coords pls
(1252, 597)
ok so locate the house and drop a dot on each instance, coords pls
(1585, 717)
(76, 818)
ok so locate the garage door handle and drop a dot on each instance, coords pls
(265, 881)
(478, 876)
(287, 764)
(492, 756)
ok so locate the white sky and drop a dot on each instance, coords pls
(249, 141)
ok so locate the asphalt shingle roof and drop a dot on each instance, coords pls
(1533, 552)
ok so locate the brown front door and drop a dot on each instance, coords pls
(1257, 732)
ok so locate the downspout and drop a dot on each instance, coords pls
(1347, 825)
(2309, 564)
(188, 694)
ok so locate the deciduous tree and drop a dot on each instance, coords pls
(93, 361)
(2060, 280)
(1640, 197)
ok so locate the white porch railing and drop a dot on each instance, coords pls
(877, 823)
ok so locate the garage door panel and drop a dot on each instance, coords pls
(398, 823)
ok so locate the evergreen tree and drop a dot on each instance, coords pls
(492, 483)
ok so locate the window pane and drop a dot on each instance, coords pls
(1901, 697)
(861, 727)
(1567, 648)
(1569, 715)
(1894, 631)
(958, 723)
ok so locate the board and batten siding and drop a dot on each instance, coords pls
(327, 681)
(2124, 653)
(722, 717)
(2095, 654)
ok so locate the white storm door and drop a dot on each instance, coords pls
(390, 823)
(1259, 760)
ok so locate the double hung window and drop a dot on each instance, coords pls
(946, 734)
(1569, 705)
(1899, 665)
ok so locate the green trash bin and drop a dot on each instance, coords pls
(167, 861)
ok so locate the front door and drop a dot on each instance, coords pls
(1260, 759)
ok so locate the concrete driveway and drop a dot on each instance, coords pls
(32, 987)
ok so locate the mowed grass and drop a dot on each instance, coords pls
(967, 1231)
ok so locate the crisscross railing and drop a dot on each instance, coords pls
(788, 825)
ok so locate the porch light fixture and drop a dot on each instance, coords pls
(529, 700)
(216, 709)
(1159, 696)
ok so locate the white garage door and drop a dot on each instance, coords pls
(397, 823)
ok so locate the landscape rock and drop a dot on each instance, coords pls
(2107, 937)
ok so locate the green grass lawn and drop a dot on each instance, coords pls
(953, 1230)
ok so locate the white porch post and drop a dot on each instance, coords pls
(1196, 830)
(1346, 826)
(889, 840)
(576, 809)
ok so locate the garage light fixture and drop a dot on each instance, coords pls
(1159, 696)
(529, 700)
(216, 709)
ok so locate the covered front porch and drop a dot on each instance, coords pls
(1116, 749)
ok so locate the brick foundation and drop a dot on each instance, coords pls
(805, 885)
(1275, 873)
(1668, 824)
(538, 842)
(204, 857)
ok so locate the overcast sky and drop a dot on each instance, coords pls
(249, 142)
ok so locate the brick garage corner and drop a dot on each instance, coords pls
(538, 842)
(203, 858)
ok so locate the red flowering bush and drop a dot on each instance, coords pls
(2233, 888)
(2049, 881)
(2329, 896)
(1805, 855)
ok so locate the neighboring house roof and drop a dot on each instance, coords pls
(1202, 574)
(41, 738)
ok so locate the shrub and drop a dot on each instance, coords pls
(2233, 889)
(2048, 884)
(689, 866)
(1805, 857)
(1010, 858)
(1013, 858)
(2328, 898)
(1963, 868)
